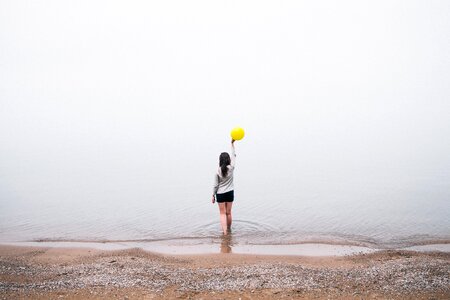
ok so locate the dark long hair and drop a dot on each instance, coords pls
(224, 161)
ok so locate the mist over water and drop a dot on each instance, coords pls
(112, 130)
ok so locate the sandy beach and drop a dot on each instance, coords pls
(82, 273)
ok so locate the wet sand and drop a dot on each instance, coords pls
(82, 273)
(192, 247)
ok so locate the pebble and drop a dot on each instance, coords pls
(402, 275)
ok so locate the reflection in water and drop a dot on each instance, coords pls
(226, 243)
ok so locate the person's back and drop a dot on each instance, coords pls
(224, 182)
(224, 187)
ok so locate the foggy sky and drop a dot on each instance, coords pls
(97, 93)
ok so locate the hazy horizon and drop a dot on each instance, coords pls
(104, 102)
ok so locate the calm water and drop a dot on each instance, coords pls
(377, 206)
(112, 130)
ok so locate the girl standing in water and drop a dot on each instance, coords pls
(224, 189)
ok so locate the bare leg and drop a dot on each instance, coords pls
(228, 206)
(223, 217)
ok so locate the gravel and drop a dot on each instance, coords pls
(404, 274)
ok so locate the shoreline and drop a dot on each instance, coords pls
(87, 273)
(226, 245)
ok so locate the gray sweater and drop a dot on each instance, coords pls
(225, 184)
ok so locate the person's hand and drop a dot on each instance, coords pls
(213, 199)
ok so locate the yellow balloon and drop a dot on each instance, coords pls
(237, 133)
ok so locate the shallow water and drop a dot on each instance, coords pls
(111, 131)
(395, 209)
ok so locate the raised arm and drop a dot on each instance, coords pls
(233, 154)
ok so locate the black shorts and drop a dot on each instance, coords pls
(225, 197)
